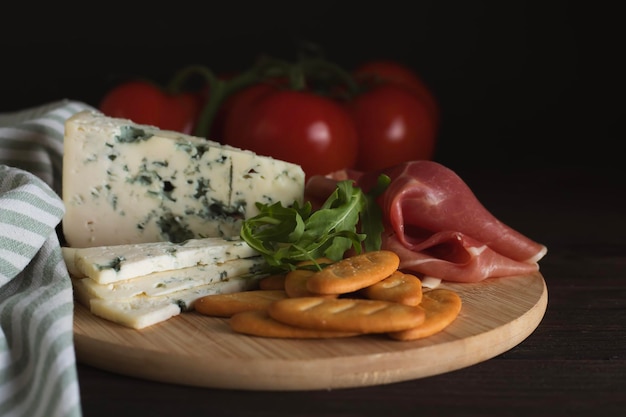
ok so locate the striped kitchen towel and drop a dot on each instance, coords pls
(38, 375)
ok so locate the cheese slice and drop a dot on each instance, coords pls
(143, 311)
(129, 183)
(108, 264)
(167, 282)
(68, 257)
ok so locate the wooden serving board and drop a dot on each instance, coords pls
(191, 349)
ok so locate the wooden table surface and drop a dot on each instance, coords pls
(573, 364)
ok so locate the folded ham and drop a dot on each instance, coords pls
(437, 226)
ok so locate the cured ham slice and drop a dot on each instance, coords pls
(453, 256)
(437, 226)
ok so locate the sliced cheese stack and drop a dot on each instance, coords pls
(138, 285)
(129, 183)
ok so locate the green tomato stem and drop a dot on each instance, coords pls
(326, 70)
(220, 90)
(176, 86)
(178, 83)
(297, 74)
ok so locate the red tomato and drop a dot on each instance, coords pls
(145, 103)
(298, 127)
(393, 126)
(388, 71)
(234, 109)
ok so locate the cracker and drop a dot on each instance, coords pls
(296, 280)
(296, 284)
(259, 323)
(272, 282)
(225, 305)
(442, 307)
(354, 273)
(346, 314)
(398, 287)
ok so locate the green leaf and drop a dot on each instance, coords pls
(372, 215)
(287, 235)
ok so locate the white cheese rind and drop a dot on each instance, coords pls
(68, 256)
(167, 282)
(129, 183)
(108, 264)
(143, 311)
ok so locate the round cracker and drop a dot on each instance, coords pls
(225, 305)
(296, 284)
(272, 282)
(442, 307)
(398, 288)
(346, 314)
(259, 323)
(295, 281)
(354, 273)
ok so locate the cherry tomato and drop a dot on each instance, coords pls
(299, 127)
(388, 71)
(393, 126)
(145, 103)
(234, 109)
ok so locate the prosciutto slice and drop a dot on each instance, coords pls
(437, 226)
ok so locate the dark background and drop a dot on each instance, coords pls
(520, 83)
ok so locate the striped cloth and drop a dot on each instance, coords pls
(38, 374)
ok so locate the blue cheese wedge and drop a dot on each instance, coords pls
(167, 282)
(128, 183)
(143, 311)
(108, 264)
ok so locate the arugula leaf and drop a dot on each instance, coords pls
(285, 236)
(371, 218)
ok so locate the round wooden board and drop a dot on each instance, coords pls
(191, 349)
